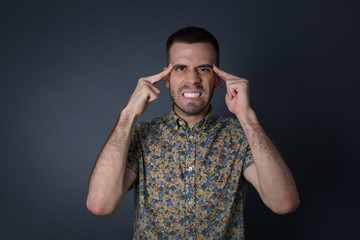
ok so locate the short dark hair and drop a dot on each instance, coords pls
(193, 35)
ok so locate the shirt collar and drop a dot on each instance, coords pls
(176, 122)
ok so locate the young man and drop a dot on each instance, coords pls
(189, 168)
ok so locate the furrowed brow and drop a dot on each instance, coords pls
(179, 65)
(205, 65)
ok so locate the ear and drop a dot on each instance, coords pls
(218, 81)
(166, 79)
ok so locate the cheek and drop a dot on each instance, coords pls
(210, 83)
(175, 80)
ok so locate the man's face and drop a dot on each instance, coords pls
(192, 80)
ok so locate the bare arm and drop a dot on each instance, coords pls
(111, 179)
(269, 174)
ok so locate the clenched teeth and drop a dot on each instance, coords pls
(191, 95)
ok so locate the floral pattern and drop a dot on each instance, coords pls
(190, 182)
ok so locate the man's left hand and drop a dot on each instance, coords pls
(237, 95)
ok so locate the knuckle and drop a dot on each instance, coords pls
(142, 80)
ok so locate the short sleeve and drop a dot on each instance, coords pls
(248, 157)
(134, 153)
(245, 153)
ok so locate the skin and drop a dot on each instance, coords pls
(191, 78)
(192, 73)
(111, 179)
(269, 174)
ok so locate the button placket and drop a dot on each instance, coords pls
(190, 178)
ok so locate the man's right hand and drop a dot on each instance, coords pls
(145, 92)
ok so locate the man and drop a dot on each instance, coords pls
(189, 168)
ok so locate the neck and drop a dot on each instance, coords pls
(191, 119)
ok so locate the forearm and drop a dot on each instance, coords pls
(107, 182)
(111, 179)
(275, 182)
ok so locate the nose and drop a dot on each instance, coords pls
(193, 76)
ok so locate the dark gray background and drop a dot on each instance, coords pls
(68, 68)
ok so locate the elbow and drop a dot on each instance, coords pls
(98, 208)
(287, 206)
(101, 203)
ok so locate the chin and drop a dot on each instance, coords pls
(193, 109)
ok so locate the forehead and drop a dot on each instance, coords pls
(192, 53)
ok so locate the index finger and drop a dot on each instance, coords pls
(223, 75)
(158, 77)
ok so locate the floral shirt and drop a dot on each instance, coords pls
(190, 182)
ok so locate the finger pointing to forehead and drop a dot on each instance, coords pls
(224, 75)
(158, 77)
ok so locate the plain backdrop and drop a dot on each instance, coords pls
(67, 68)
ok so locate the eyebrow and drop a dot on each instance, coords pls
(205, 65)
(200, 66)
(179, 65)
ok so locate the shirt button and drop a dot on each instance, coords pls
(191, 137)
(190, 202)
(190, 169)
(190, 238)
